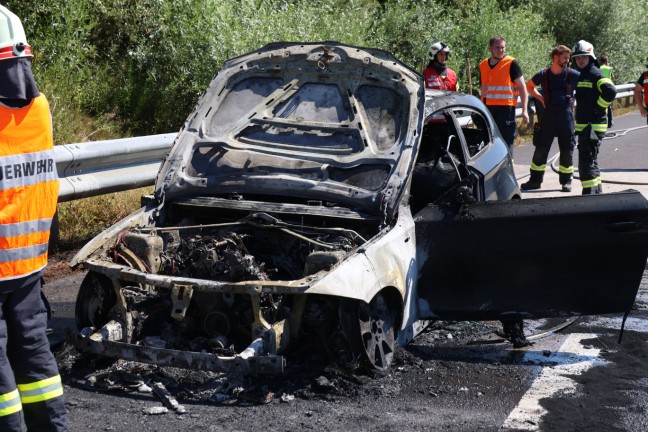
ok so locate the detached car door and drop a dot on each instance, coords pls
(532, 258)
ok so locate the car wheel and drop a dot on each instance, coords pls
(95, 300)
(370, 330)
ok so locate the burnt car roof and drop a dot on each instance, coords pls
(436, 100)
(302, 121)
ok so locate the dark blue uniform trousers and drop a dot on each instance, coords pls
(29, 376)
(557, 121)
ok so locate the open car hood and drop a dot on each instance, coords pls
(300, 123)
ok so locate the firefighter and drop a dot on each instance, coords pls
(31, 393)
(558, 84)
(501, 84)
(642, 86)
(437, 75)
(594, 94)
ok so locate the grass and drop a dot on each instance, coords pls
(80, 220)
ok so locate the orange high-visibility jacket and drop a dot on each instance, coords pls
(28, 188)
(496, 85)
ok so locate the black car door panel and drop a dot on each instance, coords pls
(532, 258)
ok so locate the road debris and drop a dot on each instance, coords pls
(156, 410)
(287, 398)
(169, 401)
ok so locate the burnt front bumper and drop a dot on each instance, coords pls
(248, 362)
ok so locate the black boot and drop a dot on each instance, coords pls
(565, 181)
(535, 181)
(530, 185)
(514, 332)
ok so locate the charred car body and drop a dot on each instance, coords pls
(318, 192)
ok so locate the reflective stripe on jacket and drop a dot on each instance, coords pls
(28, 188)
(440, 82)
(594, 94)
(497, 88)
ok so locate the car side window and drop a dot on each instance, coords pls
(434, 140)
(439, 163)
(474, 128)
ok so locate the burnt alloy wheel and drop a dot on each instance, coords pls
(370, 330)
(95, 300)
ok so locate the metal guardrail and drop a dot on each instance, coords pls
(101, 167)
(623, 91)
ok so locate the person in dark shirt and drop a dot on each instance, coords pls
(558, 84)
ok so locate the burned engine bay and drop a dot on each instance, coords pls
(205, 292)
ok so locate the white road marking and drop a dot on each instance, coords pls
(572, 359)
(631, 324)
(642, 297)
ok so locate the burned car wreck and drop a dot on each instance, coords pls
(318, 192)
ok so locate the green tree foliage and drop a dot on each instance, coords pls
(522, 29)
(145, 62)
(614, 27)
(408, 28)
(138, 66)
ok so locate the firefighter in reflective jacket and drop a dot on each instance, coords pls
(594, 94)
(437, 75)
(641, 86)
(31, 393)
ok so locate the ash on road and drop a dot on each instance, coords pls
(455, 377)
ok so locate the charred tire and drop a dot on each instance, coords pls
(95, 300)
(370, 330)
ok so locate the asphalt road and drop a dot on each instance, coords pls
(623, 160)
(456, 377)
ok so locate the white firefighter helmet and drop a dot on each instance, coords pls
(13, 43)
(439, 47)
(583, 48)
